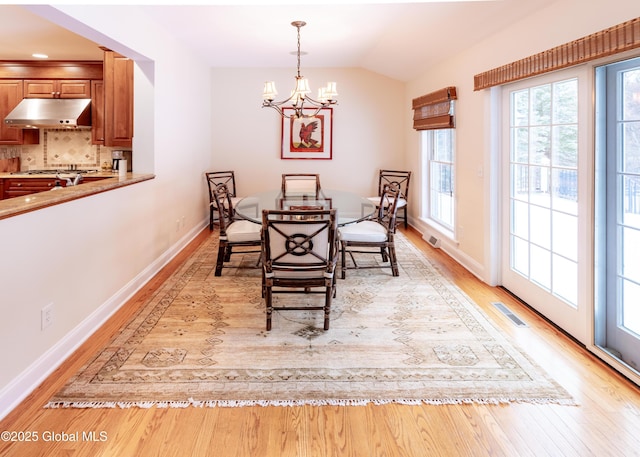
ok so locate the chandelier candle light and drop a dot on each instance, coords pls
(299, 99)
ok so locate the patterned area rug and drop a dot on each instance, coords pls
(201, 341)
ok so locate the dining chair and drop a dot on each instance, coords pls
(299, 255)
(234, 233)
(401, 180)
(374, 236)
(300, 184)
(214, 179)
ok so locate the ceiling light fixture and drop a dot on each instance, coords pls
(299, 99)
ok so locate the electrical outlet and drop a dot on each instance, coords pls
(46, 315)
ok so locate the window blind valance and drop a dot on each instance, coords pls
(616, 39)
(435, 110)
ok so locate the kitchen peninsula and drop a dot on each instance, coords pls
(107, 123)
(107, 181)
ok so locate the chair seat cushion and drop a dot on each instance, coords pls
(376, 201)
(367, 231)
(240, 231)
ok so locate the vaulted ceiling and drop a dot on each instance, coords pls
(398, 40)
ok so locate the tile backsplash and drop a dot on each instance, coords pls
(59, 148)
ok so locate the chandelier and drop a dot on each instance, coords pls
(299, 99)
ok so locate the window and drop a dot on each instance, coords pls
(438, 157)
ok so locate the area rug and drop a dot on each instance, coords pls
(201, 341)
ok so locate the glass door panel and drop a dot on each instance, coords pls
(618, 211)
(541, 226)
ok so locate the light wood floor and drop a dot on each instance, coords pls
(607, 422)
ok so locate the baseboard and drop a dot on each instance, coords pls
(470, 264)
(18, 389)
(450, 247)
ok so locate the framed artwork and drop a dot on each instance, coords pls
(309, 137)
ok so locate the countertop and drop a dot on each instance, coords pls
(62, 173)
(19, 205)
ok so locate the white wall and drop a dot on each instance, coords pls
(562, 22)
(87, 256)
(368, 128)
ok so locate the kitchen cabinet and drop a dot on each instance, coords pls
(118, 100)
(18, 187)
(109, 85)
(57, 88)
(97, 112)
(11, 93)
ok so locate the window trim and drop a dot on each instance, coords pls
(426, 152)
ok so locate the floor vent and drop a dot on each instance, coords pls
(433, 241)
(507, 312)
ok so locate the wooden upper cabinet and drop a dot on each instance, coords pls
(97, 112)
(118, 100)
(11, 93)
(10, 96)
(35, 79)
(57, 88)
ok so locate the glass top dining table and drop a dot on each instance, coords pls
(351, 207)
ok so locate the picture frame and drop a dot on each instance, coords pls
(316, 139)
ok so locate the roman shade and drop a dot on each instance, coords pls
(613, 40)
(435, 110)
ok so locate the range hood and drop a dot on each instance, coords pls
(50, 113)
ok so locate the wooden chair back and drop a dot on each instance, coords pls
(222, 198)
(388, 207)
(299, 244)
(215, 178)
(400, 179)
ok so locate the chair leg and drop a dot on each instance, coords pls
(393, 260)
(327, 305)
(221, 254)
(383, 253)
(210, 218)
(406, 223)
(269, 305)
(344, 261)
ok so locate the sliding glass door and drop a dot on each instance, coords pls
(618, 210)
(543, 208)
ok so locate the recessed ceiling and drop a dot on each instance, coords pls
(400, 41)
(22, 33)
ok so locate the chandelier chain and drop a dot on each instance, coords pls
(298, 27)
